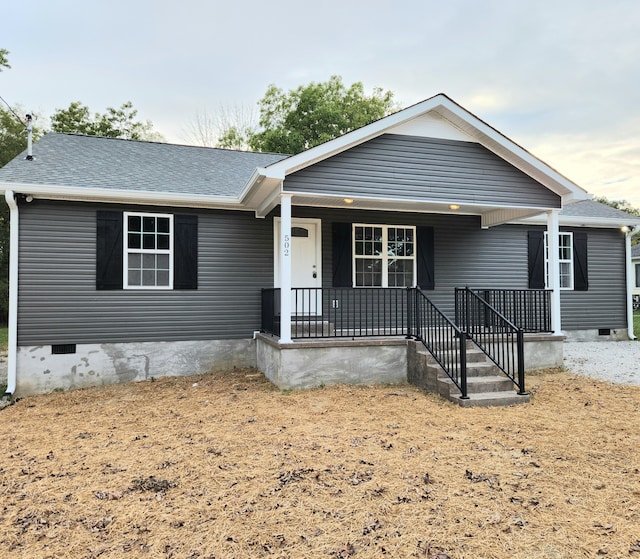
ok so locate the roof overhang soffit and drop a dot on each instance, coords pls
(114, 196)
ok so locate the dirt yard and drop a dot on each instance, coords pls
(227, 466)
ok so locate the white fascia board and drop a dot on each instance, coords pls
(505, 215)
(259, 174)
(577, 221)
(263, 184)
(107, 195)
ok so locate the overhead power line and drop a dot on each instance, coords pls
(13, 112)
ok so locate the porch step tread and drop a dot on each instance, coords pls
(479, 369)
(486, 399)
(478, 385)
(473, 354)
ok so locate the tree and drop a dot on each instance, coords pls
(114, 123)
(4, 60)
(294, 121)
(13, 140)
(625, 206)
(227, 128)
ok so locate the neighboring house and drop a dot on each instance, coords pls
(131, 260)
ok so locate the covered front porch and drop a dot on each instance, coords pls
(413, 228)
(390, 335)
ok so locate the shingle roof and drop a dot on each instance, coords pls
(93, 162)
(593, 209)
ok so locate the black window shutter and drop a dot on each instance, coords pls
(536, 260)
(341, 255)
(109, 250)
(426, 257)
(580, 268)
(185, 252)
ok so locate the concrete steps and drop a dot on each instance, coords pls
(486, 384)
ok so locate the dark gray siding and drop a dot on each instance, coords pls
(59, 303)
(416, 168)
(466, 255)
(604, 304)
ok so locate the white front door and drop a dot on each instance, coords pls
(306, 263)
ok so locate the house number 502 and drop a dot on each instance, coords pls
(286, 245)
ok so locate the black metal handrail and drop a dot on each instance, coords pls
(445, 341)
(499, 338)
(336, 312)
(529, 309)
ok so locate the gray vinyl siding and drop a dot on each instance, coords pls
(604, 304)
(416, 168)
(59, 304)
(496, 258)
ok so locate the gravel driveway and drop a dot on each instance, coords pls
(617, 362)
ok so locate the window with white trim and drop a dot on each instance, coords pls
(565, 260)
(637, 276)
(148, 251)
(384, 255)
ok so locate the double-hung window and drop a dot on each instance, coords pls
(384, 255)
(565, 260)
(148, 254)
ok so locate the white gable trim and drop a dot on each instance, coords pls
(444, 108)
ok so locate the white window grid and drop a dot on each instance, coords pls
(565, 260)
(385, 255)
(168, 284)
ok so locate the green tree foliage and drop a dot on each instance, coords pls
(13, 140)
(299, 119)
(619, 205)
(625, 206)
(4, 59)
(114, 123)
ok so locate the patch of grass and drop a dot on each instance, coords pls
(636, 323)
(4, 338)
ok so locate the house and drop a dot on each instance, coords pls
(131, 260)
(635, 275)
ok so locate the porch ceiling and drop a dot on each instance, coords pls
(490, 215)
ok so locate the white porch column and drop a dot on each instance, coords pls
(630, 281)
(285, 268)
(553, 266)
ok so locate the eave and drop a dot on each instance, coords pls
(582, 221)
(116, 196)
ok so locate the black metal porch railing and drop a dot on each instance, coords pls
(361, 312)
(529, 309)
(338, 312)
(499, 338)
(443, 339)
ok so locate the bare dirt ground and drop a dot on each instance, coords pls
(225, 465)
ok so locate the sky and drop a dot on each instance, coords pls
(559, 77)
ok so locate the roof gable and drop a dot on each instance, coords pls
(423, 169)
(436, 115)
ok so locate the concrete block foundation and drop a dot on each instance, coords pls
(96, 364)
(307, 364)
